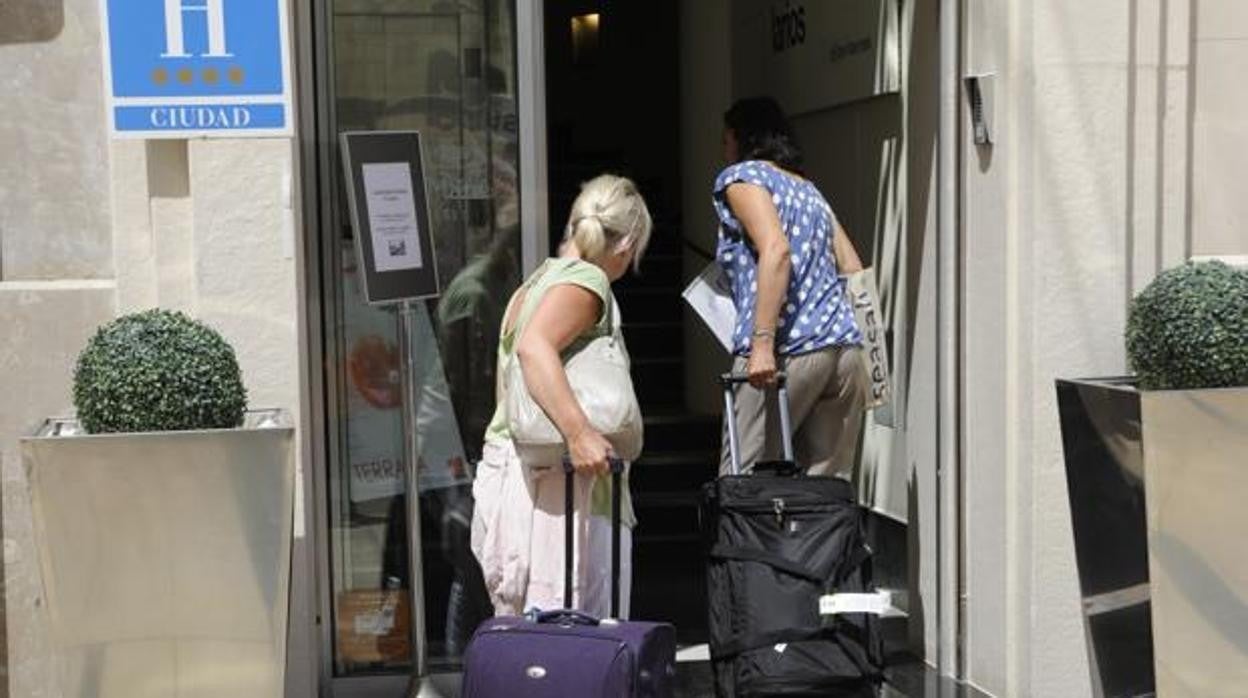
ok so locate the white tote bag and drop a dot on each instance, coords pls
(599, 376)
(865, 300)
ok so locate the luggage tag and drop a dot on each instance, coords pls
(836, 604)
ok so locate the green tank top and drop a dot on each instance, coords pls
(555, 272)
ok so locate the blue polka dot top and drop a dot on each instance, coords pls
(816, 313)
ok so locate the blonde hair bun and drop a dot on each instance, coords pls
(609, 212)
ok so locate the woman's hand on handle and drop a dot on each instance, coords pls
(761, 367)
(589, 452)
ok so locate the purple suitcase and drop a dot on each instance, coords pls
(568, 653)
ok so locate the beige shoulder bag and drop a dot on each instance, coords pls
(599, 375)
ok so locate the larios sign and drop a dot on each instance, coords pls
(188, 68)
(815, 54)
(788, 25)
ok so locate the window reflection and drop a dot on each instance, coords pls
(446, 69)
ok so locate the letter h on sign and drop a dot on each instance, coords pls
(214, 15)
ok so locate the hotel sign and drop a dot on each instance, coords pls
(195, 68)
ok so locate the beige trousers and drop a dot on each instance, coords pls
(827, 395)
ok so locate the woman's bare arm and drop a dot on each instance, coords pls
(752, 205)
(563, 314)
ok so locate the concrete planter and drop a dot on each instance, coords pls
(166, 557)
(1158, 482)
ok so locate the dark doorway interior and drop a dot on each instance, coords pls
(613, 105)
(612, 101)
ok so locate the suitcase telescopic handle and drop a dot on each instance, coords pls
(730, 381)
(569, 539)
(566, 616)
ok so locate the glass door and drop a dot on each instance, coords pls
(446, 69)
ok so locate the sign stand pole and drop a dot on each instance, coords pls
(411, 455)
(394, 276)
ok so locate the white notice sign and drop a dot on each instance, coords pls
(392, 216)
(710, 295)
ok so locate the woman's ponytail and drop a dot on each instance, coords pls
(609, 212)
(589, 235)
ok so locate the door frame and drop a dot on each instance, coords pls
(319, 177)
(531, 115)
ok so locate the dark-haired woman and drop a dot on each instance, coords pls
(779, 244)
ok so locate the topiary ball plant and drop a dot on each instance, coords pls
(1189, 329)
(158, 370)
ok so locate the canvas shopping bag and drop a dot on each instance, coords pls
(865, 300)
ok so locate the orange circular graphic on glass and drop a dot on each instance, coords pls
(373, 366)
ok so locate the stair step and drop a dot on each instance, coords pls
(682, 453)
(657, 269)
(651, 304)
(668, 516)
(654, 459)
(681, 416)
(674, 588)
(674, 430)
(669, 499)
(682, 473)
(691, 541)
(652, 326)
(658, 382)
(646, 339)
(668, 292)
(648, 362)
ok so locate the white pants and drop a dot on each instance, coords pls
(597, 601)
(518, 537)
(594, 562)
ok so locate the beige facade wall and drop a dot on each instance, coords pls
(1119, 136)
(53, 149)
(91, 228)
(1219, 133)
(46, 323)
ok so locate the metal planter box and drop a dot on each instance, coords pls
(166, 557)
(1158, 482)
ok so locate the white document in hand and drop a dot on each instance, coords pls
(710, 296)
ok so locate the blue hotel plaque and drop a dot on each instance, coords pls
(196, 68)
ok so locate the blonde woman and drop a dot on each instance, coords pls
(517, 529)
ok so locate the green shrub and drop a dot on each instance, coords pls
(158, 371)
(1189, 329)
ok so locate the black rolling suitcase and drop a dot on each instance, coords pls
(788, 569)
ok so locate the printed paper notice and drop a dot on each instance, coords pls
(711, 297)
(392, 216)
